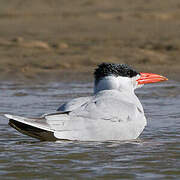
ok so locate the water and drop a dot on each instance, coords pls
(154, 155)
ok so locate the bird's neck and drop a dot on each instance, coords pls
(122, 84)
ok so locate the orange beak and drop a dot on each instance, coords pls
(150, 78)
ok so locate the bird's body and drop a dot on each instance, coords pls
(113, 113)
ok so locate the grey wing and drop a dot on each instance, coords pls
(102, 117)
(108, 109)
(103, 109)
(73, 104)
(99, 119)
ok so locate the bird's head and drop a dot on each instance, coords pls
(121, 77)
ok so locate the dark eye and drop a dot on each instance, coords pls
(132, 73)
(129, 73)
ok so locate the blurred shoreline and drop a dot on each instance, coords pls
(55, 40)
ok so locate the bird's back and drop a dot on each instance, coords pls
(108, 115)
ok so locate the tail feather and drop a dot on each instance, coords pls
(34, 127)
(35, 122)
(32, 131)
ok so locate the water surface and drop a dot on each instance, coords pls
(154, 155)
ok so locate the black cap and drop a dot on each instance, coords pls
(107, 69)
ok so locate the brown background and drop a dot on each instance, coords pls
(46, 38)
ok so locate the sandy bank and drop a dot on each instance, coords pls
(52, 39)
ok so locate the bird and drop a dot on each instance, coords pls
(112, 113)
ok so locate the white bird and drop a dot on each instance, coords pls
(113, 113)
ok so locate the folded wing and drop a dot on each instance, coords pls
(102, 117)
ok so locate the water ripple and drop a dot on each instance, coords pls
(155, 155)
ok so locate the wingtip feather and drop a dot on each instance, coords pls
(9, 116)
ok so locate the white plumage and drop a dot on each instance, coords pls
(113, 113)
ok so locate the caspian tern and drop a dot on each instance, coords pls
(113, 113)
